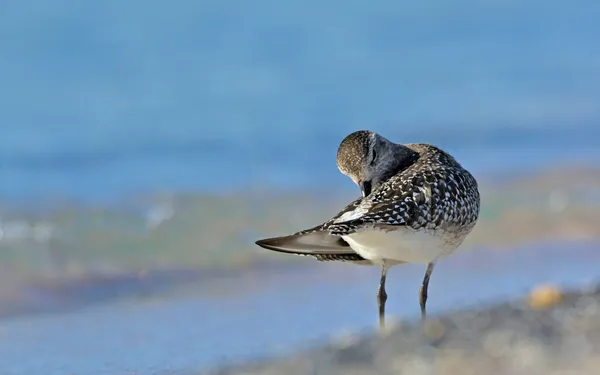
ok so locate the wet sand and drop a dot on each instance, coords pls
(274, 313)
(61, 295)
(549, 332)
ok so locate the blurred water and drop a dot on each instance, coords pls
(104, 99)
(296, 309)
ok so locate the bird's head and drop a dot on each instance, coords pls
(367, 158)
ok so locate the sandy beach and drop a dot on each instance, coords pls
(550, 332)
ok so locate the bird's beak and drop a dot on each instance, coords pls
(365, 188)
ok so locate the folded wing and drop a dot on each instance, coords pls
(315, 242)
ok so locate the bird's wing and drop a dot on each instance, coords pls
(315, 242)
(419, 198)
(423, 199)
(349, 208)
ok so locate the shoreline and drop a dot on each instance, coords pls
(205, 231)
(320, 299)
(549, 331)
(64, 294)
(67, 293)
(113, 254)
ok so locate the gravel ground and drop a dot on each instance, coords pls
(549, 332)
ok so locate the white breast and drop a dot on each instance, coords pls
(401, 244)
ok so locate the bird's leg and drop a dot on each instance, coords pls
(423, 290)
(382, 296)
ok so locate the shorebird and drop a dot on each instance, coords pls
(418, 204)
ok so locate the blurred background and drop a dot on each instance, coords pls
(145, 146)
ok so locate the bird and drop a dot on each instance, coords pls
(417, 205)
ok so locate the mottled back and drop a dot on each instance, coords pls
(435, 192)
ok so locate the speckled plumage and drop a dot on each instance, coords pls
(418, 206)
(434, 193)
(352, 150)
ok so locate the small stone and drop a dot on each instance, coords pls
(391, 325)
(434, 329)
(544, 296)
(345, 339)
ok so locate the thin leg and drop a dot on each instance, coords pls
(423, 290)
(382, 297)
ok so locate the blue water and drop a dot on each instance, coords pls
(195, 331)
(103, 99)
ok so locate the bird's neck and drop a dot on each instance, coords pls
(401, 158)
